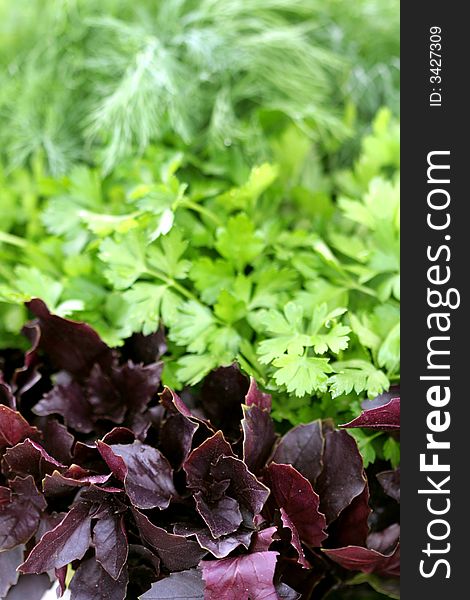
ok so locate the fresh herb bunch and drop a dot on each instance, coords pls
(81, 79)
(120, 492)
(292, 273)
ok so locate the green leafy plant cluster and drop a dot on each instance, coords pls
(81, 79)
(292, 272)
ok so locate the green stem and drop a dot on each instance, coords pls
(202, 210)
(174, 284)
(14, 240)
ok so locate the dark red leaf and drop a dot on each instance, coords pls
(175, 551)
(68, 541)
(70, 345)
(58, 484)
(263, 539)
(295, 495)
(295, 539)
(177, 430)
(284, 592)
(356, 558)
(220, 547)
(342, 477)
(110, 541)
(187, 585)
(13, 427)
(390, 481)
(147, 475)
(68, 400)
(30, 587)
(222, 516)
(9, 561)
(384, 541)
(61, 576)
(58, 441)
(249, 576)
(302, 447)
(351, 527)
(384, 418)
(255, 397)
(30, 458)
(223, 394)
(249, 492)
(129, 387)
(199, 462)
(20, 518)
(146, 348)
(92, 581)
(258, 437)
(6, 396)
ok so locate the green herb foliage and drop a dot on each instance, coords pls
(289, 271)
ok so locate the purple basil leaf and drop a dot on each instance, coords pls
(68, 541)
(104, 395)
(6, 395)
(147, 475)
(13, 427)
(58, 484)
(30, 587)
(144, 569)
(222, 516)
(177, 429)
(222, 396)
(284, 592)
(382, 399)
(390, 481)
(68, 400)
(294, 493)
(5, 496)
(384, 418)
(69, 345)
(351, 527)
(110, 541)
(30, 458)
(112, 392)
(386, 540)
(258, 437)
(249, 576)
(302, 447)
(186, 585)
(175, 551)
(58, 441)
(119, 435)
(295, 539)
(92, 581)
(48, 522)
(357, 558)
(342, 477)
(249, 492)
(19, 519)
(61, 576)
(220, 547)
(173, 403)
(263, 539)
(255, 397)
(199, 462)
(9, 561)
(146, 348)
(176, 438)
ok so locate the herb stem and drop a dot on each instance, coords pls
(202, 210)
(174, 284)
(14, 240)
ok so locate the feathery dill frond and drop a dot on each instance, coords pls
(96, 81)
